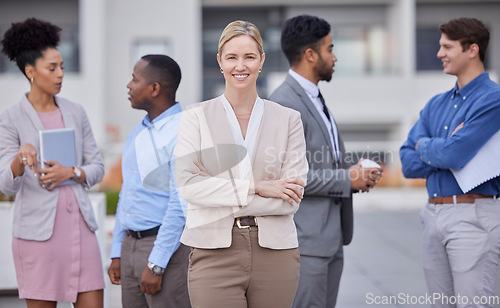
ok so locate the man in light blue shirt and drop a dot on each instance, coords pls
(461, 228)
(148, 259)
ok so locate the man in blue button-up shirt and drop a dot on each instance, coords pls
(148, 259)
(461, 237)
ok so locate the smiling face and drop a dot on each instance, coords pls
(139, 87)
(240, 62)
(455, 59)
(47, 73)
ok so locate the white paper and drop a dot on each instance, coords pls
(368, 163)
(484, 166)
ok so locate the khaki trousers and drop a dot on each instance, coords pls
(243, 275)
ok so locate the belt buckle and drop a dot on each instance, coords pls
(238, 223)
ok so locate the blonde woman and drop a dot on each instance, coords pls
(241, 165)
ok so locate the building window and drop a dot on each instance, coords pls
(144, 47)
(68, 47)
(360, 50)
(428, 47)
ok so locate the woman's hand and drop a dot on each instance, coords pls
(201, 169)
(287, 189)
(54, 175)
(26, 156)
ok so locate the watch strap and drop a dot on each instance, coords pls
(77, 173)
(155, 269)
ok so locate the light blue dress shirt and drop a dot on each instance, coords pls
(477, 106)
(149, 146)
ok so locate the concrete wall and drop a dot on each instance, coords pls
(85, 87)
(108, 31)
(178, 23)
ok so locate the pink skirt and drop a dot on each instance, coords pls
(63, 266)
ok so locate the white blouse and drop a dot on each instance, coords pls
(253, 128)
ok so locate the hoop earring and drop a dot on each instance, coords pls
(221, 71)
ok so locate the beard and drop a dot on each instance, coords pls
(323, 71)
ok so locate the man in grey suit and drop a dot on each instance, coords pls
(325, 217)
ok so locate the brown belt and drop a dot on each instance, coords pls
(467, 198)
(245, 222)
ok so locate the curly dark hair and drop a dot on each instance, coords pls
(25, 41)
(300, 33)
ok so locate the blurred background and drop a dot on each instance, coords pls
(386, 71)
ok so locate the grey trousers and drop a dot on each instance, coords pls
(461, 250)
(319, 280)
(244, 275)
(134, 259)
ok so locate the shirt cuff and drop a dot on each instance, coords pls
(116, 251)
(12, 185)
(423, 149)
(161, 257)
(116, 245)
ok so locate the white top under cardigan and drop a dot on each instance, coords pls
(253, 128)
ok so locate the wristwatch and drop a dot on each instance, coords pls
(155, 269)
(77, 172)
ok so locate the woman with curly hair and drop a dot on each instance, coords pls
(56, 254)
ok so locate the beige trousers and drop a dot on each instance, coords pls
(243, 275)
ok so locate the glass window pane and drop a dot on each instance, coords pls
(68, 47)
(144, 47)
(427, 48)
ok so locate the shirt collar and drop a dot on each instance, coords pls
(308, 86)
(162, 119)
(471, 86)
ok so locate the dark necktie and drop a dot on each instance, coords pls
(325, 110)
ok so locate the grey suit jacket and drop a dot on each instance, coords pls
(325, 217)
(35, 207)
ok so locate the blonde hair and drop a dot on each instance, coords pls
(237, 28)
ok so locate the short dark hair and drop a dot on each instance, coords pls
(300, 33)
(25, 41)
(468, 31)
(164, 70)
